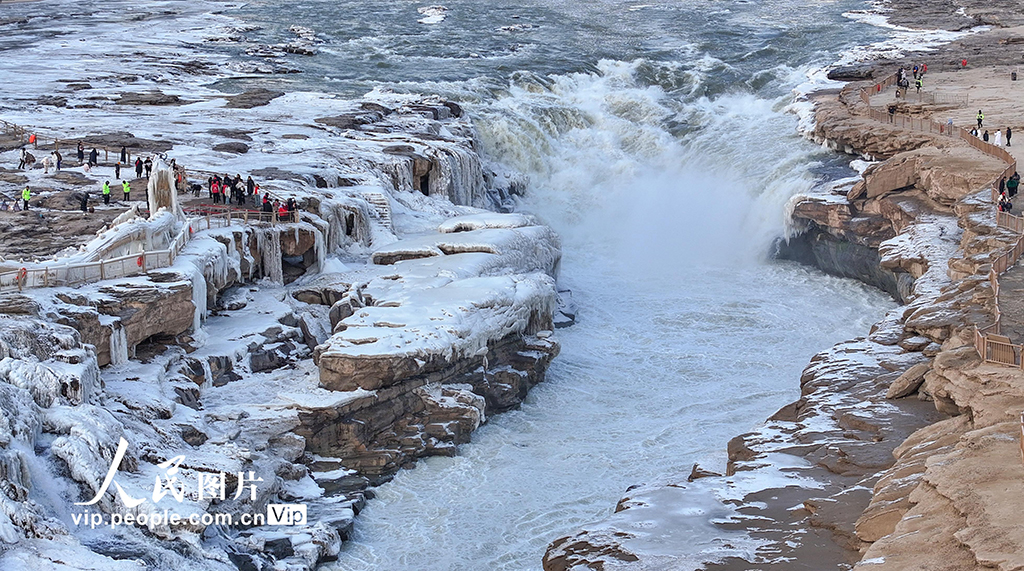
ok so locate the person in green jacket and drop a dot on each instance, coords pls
(106, 192)
(26, 195)
(1012, 185)
(127, 190)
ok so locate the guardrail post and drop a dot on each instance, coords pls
(102, 272)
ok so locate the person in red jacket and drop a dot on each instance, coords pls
(215, 189)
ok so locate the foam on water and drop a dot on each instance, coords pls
(659, 142)
(686, 335)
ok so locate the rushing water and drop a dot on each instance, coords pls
(660, 141)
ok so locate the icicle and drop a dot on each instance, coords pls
(269, 243)
(320, 248)
(198, 298)
(118, 344)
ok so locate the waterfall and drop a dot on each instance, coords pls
(118, 344)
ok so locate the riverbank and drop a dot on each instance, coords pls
(880, 464)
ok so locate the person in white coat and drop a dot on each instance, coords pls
(998, 139)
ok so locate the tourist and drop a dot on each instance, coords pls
(892, 113)
(24, 158)
(149, 166)
(215, 191)
(1012, 184)
(918, 84)
(106, 192)
(282, 211)
(81, 153)
(974, 131)
(94, 157)
(4, 206)
(57, 158)
(981, 117)
(124, 155)
(117, 170)
(127, 189)
(250, 186)
(291, 210)
(924, 69)
(138, 167)
(985, 136)
(85, 202)
(1002, 184)
(26, 195)
(963, 63)
(86, 168)
(915, 72)
(997, 139)
(1008, 133)
(1004, 203)
(267, 207)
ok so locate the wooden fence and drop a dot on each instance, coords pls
(930, 97)
(990, 344)
(56, 142)
(217, 212)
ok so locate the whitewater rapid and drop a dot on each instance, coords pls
(687, 335)
(659, 139)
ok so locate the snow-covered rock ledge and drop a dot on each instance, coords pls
(423, 312)
(469, 311)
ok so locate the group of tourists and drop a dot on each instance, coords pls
(228, 190)
(997, 138)
(1007, 190)
(285, 210)
(903, 82)
(26, 195)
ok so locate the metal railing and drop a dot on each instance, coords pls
(72, 274)
(56, 275)
(23, 134)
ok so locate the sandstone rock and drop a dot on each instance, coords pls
(907, 383)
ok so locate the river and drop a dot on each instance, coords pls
(660, 140)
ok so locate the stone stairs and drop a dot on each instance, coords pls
(381, 208)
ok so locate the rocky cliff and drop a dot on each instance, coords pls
(312, 358)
